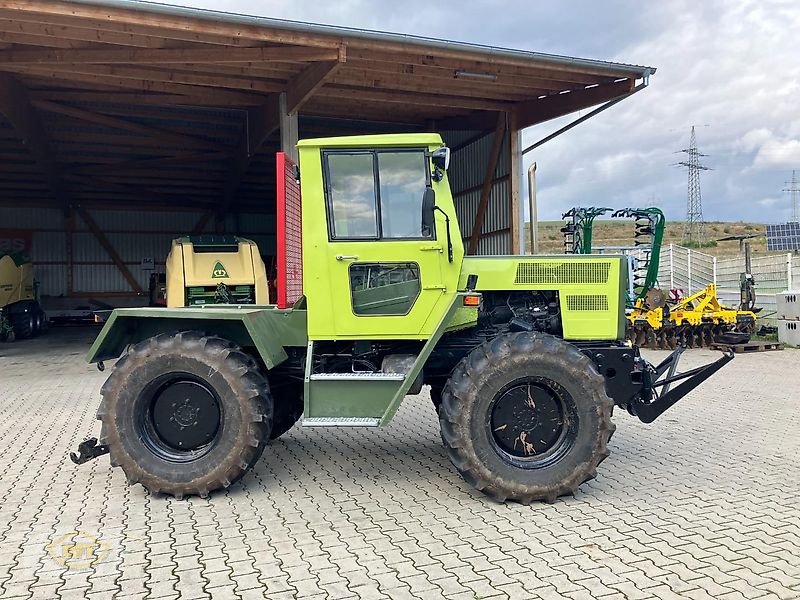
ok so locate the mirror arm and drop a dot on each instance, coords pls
(449, 238)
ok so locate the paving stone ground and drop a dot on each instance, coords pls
(705, 503)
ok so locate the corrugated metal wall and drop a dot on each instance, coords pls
(466, 173)
(147, 235)
(134, 236)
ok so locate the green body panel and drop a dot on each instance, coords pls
(591, 288)
(358, 396)
(266, 328)
(349, 398)
(441, 327)
(327, 285)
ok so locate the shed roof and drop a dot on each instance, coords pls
(121, 82)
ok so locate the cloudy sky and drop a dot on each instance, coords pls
(732, 68)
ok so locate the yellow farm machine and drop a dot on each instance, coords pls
(21, 315)
(657, 319)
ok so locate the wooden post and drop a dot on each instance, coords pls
(289, 129)
(515, 170)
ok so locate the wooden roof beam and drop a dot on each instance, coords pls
(132, 56)
(531, 112)
(150, 164)
(302, 86)
(124, 125)
(176, 93)
(152, 75)
(18, 109)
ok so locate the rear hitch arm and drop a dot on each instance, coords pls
(87, 450)
(657, 397)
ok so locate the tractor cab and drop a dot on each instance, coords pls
(379, 227)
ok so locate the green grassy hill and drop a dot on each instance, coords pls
(619, 232)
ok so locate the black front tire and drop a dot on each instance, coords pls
(567, 384)
(144, 417)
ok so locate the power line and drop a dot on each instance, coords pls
(794, 190)
(694, 229)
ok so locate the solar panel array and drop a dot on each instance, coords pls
(783, 237)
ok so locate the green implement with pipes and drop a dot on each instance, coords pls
(524, 356)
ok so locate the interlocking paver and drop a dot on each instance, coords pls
(702, 504)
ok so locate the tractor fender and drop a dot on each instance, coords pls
(266, 330)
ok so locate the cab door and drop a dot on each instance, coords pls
(385, 268)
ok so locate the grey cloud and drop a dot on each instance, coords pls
(731, 65)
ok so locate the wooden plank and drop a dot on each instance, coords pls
(491, 167)
(426, 85)
(414, 98)
(54, 32)
(8, 37)
(304, 85)
(752, 346)
(17, 108)
(109, 248)
(532, 112)
(152, 75)
(131, 56)
(192, 95)
(120, 97)
(546, 75)
(191, 28)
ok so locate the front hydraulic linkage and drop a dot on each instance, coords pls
(657, 397)
(87, 450)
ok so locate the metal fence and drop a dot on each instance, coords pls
(692, 270)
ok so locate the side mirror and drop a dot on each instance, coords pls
(441, 158)
(428, 206)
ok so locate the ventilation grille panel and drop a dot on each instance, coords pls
(587, 302)
(565, 272)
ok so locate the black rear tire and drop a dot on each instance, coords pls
(526, 417)
(185, 414)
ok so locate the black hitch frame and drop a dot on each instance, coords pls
(87, 450)
(643, 389)
(658, 401)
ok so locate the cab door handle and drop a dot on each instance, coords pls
(346, 257)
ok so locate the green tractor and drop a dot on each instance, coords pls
(525, 356)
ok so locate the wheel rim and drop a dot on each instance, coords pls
(180, 417)
(533, 422)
